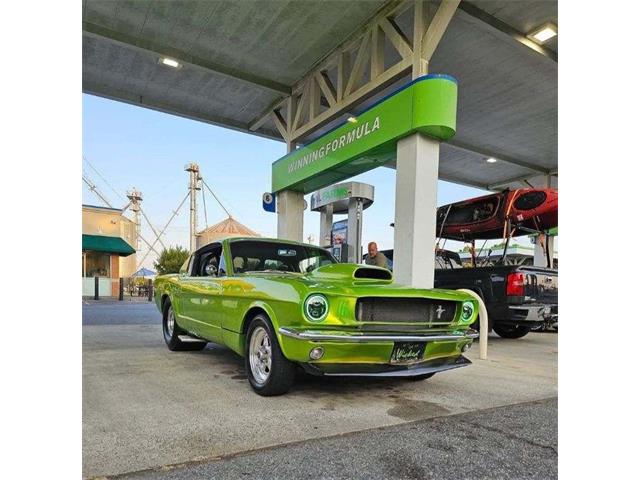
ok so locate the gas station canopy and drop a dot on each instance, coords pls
(234, 64)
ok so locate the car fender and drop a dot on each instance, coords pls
(262, 305)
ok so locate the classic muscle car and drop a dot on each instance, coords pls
(283, 305)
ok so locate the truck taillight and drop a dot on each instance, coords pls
(515, 284)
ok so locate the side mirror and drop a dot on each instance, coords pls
(211, 270)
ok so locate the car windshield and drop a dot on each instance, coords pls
(261, 256)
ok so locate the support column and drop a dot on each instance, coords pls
(290, 208)
(415, 217)
(539, 252)
(290, 205)
(354, 231)
(326, 222)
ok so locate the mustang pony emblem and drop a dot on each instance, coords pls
(439, 311)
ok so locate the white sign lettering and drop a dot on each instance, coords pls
(345, 139)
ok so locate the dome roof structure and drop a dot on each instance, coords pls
(228, 227)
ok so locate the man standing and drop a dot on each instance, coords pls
(375, 257)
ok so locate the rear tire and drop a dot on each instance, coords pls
(171, 332)
(268, 371)
(511, 332)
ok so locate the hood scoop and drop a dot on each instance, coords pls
(372, 273)
(351, 271)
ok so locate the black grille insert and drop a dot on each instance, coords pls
(372, 273)
(405, 310)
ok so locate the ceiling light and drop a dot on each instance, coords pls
(352, 120)
(170, 62)
(491, 160)
(544, 33)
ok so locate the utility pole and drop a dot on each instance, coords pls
(135, 197)
(194, 186)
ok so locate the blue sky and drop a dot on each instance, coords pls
(135, 147)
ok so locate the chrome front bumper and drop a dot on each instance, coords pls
(349, 337)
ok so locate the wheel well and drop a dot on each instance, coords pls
(163, 299)
(253, 311)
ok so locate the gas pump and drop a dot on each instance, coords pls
(343, 238)
(338, 246)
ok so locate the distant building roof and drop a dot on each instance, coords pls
(119, 210)
(229, 227)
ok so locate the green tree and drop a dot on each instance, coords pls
(171, 259)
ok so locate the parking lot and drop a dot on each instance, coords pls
(150, 413)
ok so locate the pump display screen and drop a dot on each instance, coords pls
(339, 233)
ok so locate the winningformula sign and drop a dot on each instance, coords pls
(426, 105)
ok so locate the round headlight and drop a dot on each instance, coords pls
(467, 311)
(316, 307)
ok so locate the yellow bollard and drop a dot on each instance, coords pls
(484, 322)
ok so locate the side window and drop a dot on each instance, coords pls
(207, 262)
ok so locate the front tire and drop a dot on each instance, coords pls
(511, 332)
(268, 371)
(171, 332)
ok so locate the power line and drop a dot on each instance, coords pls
(215, 196)
(95, 190)
(204, 206)
(175, 212)
(103, 179)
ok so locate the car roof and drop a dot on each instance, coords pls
(270, 240)
(255, 239)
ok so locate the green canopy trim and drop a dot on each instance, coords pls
(101, 243)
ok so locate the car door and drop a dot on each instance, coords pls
(200, 293)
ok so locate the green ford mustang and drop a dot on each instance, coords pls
(284, 304)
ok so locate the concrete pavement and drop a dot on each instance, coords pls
(145, 407)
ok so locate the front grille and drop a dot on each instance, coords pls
(423, 311)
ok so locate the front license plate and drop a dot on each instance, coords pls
(404, 352)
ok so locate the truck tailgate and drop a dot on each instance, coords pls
(541, 285)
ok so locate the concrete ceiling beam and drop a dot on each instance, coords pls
(498, 24)
(182, 57)
(505, 158)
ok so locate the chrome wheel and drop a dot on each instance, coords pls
(260, 355)
(171, 321)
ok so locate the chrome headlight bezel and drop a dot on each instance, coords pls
(467, 311)
(311, 302)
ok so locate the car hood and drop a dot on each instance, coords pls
(357, 280)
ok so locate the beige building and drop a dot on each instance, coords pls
(229, 227)
(108, 248)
